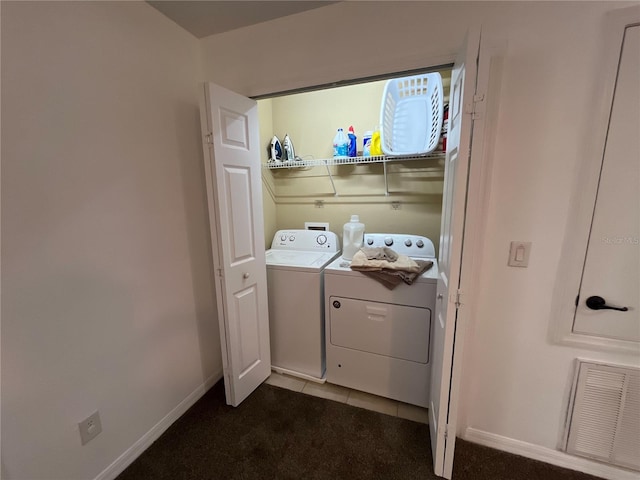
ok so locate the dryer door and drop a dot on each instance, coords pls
(380, 348)
(396, 331)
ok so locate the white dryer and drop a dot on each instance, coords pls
(295, 265)
(378, 340)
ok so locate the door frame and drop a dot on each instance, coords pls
(478, 186)
(485, 106)
(584, 192)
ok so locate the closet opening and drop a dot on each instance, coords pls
(389, 193)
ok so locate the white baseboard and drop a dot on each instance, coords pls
(547, 455)
(212, 380)
(133, 452)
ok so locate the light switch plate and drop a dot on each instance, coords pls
(519, 254)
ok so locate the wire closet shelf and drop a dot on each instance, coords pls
(322, 162)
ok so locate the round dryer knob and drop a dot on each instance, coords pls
(283, 237)
(292, 238)
(388, 241)
(407, 242)
(369, 241)
(321, 239)
(419, 244)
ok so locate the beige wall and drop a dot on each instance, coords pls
(265, 119)
(107, 299)
(311, 119)
(516, 379)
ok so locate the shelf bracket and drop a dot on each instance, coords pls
(386, 185)
(333, 185)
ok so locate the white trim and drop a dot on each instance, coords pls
(547, 455)
(293, 373)
(584, 194)
(595, 343)
(494, 52)
(144, 442)
(360, 67)
(564, 439)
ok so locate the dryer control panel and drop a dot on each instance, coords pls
(306, 240)
(411, 245)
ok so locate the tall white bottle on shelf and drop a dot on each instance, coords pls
(352, 237)
(340, 145)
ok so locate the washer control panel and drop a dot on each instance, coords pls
(405, 244)
(307, 240)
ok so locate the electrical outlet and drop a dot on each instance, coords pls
(90, 427)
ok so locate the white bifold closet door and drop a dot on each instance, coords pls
(234, 195)
(445, 373)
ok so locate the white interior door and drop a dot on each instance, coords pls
(461, 102)
(232, 169)
(612, 265)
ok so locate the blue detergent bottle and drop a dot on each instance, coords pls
(353, 146)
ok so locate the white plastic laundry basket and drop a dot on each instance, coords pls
(411, 114)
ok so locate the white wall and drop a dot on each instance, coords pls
(333, 43)
(107, 295)
(516, 380)
(107, 300)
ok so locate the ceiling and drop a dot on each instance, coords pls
(204, 18)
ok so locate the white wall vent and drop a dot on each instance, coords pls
(604, 422)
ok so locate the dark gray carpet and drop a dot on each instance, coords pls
(280, 434)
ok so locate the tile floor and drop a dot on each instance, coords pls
(350, 397)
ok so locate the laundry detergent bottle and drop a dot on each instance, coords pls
(352, 237)
(353, 146)
(366, 143)
(340, 144)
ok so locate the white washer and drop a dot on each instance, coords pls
(295, 265)
(377, 340)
